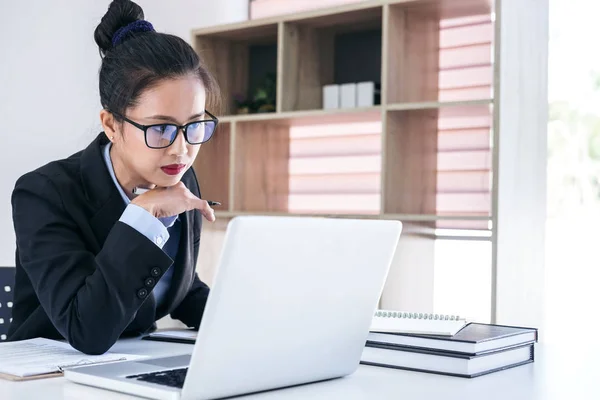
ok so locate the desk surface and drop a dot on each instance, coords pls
(557, 373)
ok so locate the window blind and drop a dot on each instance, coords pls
(464, 134)
(336, 168)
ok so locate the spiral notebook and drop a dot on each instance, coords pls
(386, 321)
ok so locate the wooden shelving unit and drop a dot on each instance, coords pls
(432, 145)
(393, 42)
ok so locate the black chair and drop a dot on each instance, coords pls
(7, 282)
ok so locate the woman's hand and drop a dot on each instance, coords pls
(167, 202)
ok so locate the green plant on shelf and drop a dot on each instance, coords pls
(263, 99)
(242, 104)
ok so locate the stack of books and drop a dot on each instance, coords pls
(446, 345)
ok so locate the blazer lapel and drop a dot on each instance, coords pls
(100, 189)
(108, 206)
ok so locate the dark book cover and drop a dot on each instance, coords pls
(474, 338)
(444, 353)
(486, 372)
(475, 333)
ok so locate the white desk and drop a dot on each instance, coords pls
(555, 374)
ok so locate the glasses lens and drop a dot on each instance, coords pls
(200, 132)
(161, 135)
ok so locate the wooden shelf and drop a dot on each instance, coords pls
(346, 115)
(399, 43)
(311, 117)
(345, 14)
(445, 9)
(413, 224)
(437, 104)
(400, 217)
(242, 31)
(434, 153)
(347, 18)
(349, 13)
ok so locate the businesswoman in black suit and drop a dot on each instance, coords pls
(95, 261)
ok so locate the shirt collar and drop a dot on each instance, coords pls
(168, 221)
(111, 171)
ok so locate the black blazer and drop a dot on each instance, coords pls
(84, 276)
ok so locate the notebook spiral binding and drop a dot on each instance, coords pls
(408, 315)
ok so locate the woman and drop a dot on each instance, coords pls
(96, 261)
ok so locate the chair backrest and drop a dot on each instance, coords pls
(7, 282)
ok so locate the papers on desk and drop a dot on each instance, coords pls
(42, 358)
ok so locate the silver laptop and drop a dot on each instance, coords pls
(292, 303)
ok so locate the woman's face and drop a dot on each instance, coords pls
(174, 101)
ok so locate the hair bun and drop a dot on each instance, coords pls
(120, 14)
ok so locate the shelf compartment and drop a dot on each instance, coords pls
(410, 162)
(439, 161)
(239, 58)
(322, 50)
(438, 51)
(319, 163)
(335, 166)
(212, 166)
(261, 167)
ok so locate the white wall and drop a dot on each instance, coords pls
(49, 101)
(48, 74)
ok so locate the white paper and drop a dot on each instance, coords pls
(44, 356)
(177, 334)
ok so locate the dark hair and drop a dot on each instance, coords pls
(141, 59)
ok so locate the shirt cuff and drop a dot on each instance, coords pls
(146, 224)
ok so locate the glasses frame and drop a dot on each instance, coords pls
(183, 128)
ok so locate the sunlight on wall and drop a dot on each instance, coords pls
(572, 269)
(462, 279)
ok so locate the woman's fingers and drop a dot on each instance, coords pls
(204, 208)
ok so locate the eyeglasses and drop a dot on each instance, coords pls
(159, 136)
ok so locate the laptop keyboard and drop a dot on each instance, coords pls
(173, 378)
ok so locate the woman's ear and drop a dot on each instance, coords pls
(109, 124)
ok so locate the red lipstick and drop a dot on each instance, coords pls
(173, 169)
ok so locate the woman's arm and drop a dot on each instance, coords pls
(190, 310)
(89, 298)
